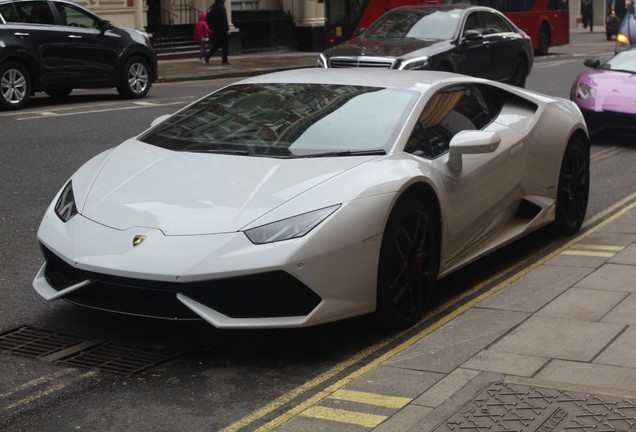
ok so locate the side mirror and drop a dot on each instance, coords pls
(159, 119)
(592, 63)
(105, 26)
(471, 142)
(473, 35)
(358, 31)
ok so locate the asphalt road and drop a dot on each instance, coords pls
(206, 379)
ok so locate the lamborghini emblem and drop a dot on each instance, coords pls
(138, 239)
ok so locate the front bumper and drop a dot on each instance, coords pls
(609, 122)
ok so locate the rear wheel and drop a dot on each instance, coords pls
(135, 79)
(574, 187)
(15, 86)
(544, 40)
(519, 73)
(409, 261)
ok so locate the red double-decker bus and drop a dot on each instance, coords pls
(545, 21)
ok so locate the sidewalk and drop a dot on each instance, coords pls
(241, 66)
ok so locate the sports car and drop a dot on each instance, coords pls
(303, 197)
(606, 94)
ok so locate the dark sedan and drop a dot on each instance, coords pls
(471, 40)
(56, 46)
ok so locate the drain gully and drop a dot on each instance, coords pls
(78, 351)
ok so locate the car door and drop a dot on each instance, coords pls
(502, 42)
(92, 51)
(482, 192)
(474, 56)
(43, 39)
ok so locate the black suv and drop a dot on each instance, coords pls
(56, 46)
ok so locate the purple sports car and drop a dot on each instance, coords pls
(606, 95)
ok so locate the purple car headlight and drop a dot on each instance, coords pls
(584, 91)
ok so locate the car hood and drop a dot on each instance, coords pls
(379, 47)
(183, 193)
(615, 91)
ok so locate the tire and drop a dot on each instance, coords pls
(15, 86)
(519, 73)
(544, 40)
(574, 188)
(59, 93)
(408, 266)
(135, 79)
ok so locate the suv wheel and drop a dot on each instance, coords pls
(15, 85)
(135, 79)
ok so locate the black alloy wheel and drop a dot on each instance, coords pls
(135, 81)
(519, 73)
(409, 261)
(544, 40)
(15, 86)
(574, 187)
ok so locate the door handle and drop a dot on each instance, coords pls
(74, 36)
(19, 34)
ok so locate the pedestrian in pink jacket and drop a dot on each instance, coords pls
(202, 35)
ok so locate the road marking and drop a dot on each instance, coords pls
(344, 416)
(601, 251)
(371, 398)
(628, 203)
(36, 382)
(40, 115)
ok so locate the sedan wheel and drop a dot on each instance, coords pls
(574, 187)
(409, 260)
(135, 81)
(15, 86)
(519, 73)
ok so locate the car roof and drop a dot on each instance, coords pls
(420, 81)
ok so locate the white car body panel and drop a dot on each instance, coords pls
(192, 208)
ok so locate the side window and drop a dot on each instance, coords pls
(494, 24)
(36, 12)
(8, 13)
(473, 22)
(448, 112)
(75, 17)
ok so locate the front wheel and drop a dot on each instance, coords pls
(135, 80)
(15, 86)
(409, 261)
(574, 187)
(519, 73)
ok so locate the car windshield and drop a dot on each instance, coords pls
(624, 62)
(426, 24)
(287, 120)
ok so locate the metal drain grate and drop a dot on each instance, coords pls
(521, 408)
(117, 359)
(79, 351)
(36, 343)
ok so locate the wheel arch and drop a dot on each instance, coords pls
(424, 193)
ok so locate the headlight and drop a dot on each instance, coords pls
(622, 42)
(418, 63)
(584, 91)
(290, 228)
(65, 207)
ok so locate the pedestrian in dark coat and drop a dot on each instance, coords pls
(217, 21)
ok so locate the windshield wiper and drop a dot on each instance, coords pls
(345, 153)
(219, 151)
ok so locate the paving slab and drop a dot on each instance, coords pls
(558, 338)
(609, 379)
(616, 277)
(622, 352)
(583, 304)
(507, 363)
(626, 256)
(624, 312)
(395, 381)
(454, 343)
(535, 289)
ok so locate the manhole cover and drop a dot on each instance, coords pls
(522, 408)
(79, 351)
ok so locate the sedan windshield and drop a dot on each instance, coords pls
(624, 61)
(426, 24)
(287, 120)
